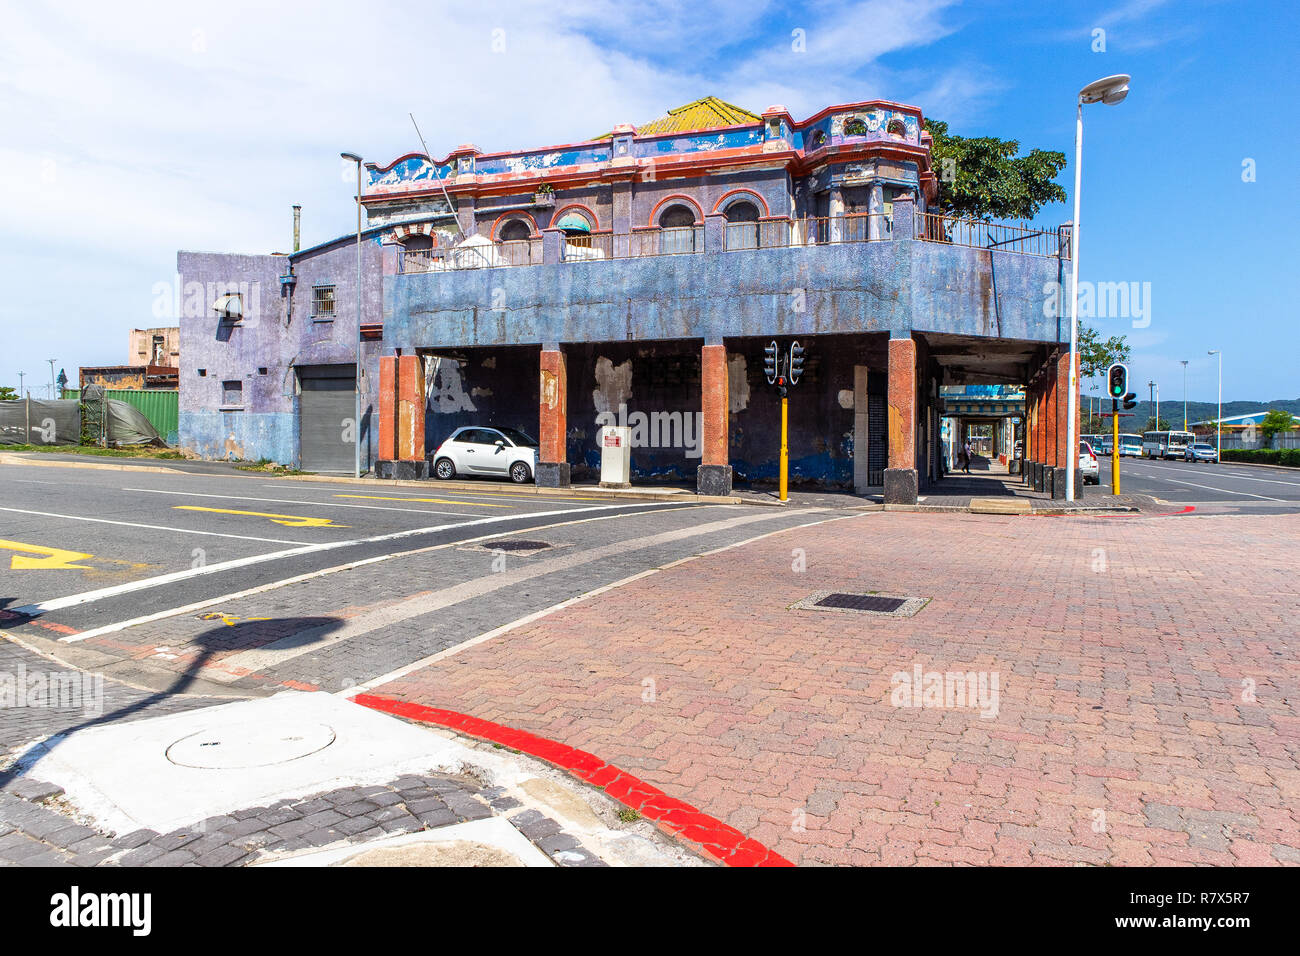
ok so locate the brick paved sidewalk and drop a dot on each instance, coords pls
(1146, 685)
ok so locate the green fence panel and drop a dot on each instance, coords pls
(160, 405)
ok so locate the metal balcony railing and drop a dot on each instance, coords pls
(808, 231)
(684, 240)
(1005, 237)
(474, 254)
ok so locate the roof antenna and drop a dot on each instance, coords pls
(441, 185)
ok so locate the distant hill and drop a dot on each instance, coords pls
(1172, 411)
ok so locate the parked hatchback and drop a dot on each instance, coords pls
(1200, 452)
(1088, 466)
(494, 452)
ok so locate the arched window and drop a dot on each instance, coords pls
(417, 243)
(855, 127)
(514, 230)
(678, 229)
(676, 217)
(742, 225)
(896, 127)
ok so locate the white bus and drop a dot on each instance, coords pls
(1166, 444)
(1130, 445)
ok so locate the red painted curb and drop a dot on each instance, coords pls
(720, 841)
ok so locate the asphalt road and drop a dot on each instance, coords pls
(1211, 488)
(141, 542)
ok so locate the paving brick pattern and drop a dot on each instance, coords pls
(1146, 712)
(33, 832)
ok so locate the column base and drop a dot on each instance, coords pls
(713, 480)
(1059, 484)
(403, 470)
(901, 486)
(552, 474)
(1039, 471)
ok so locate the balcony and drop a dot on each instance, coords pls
(478, 252)
(847, 274)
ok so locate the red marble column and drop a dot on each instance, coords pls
(901, 485)
(714, 474)
(553, 425)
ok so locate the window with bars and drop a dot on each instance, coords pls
(322, 301)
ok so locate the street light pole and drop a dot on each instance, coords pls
(1108, 90)
(356, 421)
(52, 395)
(1218, 421)
(1184, 394)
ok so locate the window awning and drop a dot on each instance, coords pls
(573, 221)
(230, 306)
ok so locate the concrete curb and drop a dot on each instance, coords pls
(14, 459)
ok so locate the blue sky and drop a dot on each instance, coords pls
(130, 135)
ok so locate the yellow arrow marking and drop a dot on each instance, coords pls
(54, 558)
(230, 620)
(432, 501)
(289, 521)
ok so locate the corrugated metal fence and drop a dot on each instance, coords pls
(160, 405)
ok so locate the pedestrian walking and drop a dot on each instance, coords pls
(967, 450)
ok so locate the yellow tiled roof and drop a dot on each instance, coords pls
(700, 114)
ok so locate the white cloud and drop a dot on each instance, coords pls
(136, 131)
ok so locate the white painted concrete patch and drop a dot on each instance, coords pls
(168, 772)
(495, 832)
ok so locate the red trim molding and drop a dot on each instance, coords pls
(722, 842)
(515, 214)
(681, 198)
(762, 203)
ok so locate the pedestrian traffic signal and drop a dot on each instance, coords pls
(1117, 380)
(796, 362)
(1130, 400)
(769, 363)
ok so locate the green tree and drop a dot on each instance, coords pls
(1096, 355)
(983, 177)
(1153, 426)
(8, 394)
(1273, 422)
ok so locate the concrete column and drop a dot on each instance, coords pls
(835, 210)
(901, 483)
(861, 422)
(552, 464)
(714, 474)
(876, 210)
(401, 404)
(715, 232)
(1063, 449)
(904, 219)
(552, 246)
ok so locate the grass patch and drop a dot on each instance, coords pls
(146, 451)
(628, 815)
(267, 467)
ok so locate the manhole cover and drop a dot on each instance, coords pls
(848, 602)
(862, 602)
(513, 545)
(244, 746)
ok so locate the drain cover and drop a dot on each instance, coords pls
(862, 602)
(847, 602)
(244, 746)
(513, 545)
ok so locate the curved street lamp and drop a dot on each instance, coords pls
(1109, 90)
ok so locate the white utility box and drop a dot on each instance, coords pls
(615, 456)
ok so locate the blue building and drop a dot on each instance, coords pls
(636, 277)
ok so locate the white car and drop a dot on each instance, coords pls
(496, 452)
(1088, 466)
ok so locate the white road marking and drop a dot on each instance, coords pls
(1233, 474)
(152, 527)
(262, 659)
(292, 501)
(1225, 491)
(547, 611)
(85, 597)
(284, 582)
(437, 490)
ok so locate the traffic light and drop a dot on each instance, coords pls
(1130, 400)
(796, 362)
(1117, 380)
(769, 363)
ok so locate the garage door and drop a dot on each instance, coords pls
(326, 408)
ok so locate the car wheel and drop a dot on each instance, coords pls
(444, 470)
(520, 473)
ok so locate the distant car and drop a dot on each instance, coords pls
(1088, 466)
(495, 452)
(1201, 452)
